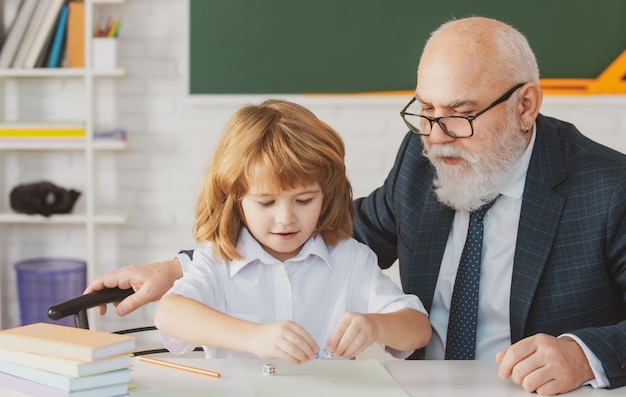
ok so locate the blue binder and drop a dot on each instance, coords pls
(59, 39)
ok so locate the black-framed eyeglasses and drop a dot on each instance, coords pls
(453, 126)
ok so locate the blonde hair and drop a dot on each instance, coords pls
(291, 147)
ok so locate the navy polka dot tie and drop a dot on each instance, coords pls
(461, 339)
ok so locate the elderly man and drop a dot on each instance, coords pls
(540, 283)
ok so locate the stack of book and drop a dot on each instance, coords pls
(55, 360)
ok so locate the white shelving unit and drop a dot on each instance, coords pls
(91, 217)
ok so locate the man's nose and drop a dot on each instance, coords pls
(438, 136)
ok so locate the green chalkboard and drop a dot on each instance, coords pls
(350, 46)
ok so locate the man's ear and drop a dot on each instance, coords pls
(529, 103)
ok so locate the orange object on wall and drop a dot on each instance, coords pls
(611, 81)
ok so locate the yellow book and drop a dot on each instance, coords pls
(42, 130)
(66, 342)
(41, 133)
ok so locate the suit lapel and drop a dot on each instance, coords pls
(429, 246)
(539, 218)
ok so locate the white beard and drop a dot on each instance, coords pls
(485, 174)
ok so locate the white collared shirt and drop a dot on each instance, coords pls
(313, 289)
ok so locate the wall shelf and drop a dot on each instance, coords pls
(25, 160)
(64, 219)
(100, 145)
(60, 72)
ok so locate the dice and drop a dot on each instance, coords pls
(269, 369)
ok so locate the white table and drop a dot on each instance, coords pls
(418, 378)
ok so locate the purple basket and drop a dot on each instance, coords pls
(43, 282)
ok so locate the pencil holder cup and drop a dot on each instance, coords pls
(104, 53)
(44, 282)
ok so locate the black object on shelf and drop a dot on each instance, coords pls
(43, 198)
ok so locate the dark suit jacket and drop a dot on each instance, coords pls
(569, 271)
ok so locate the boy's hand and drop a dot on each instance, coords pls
(354, 333)
(283, 340)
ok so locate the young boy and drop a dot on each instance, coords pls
(279, 275)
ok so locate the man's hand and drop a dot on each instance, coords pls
(149, 281)
(545, 364)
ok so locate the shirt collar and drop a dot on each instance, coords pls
(252, 251)
(515, 188)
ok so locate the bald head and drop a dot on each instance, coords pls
(470, 29)
(477, 52)
(475, 32)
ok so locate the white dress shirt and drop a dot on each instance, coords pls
(313, 289)
(493, 331)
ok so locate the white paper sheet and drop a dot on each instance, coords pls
(325, 378)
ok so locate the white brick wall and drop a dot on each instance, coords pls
(171, 136)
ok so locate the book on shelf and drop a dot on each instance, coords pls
(66, 342)
(42, 59)
(38, 389)
(41, 133)
(16, 31)
(115, 134)
(66, 366)
(43, 33)
(50, 130)
(44, 54)
(30, 33)
(58, 40)
(36, 124)
(76, 35)
(65, 382)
